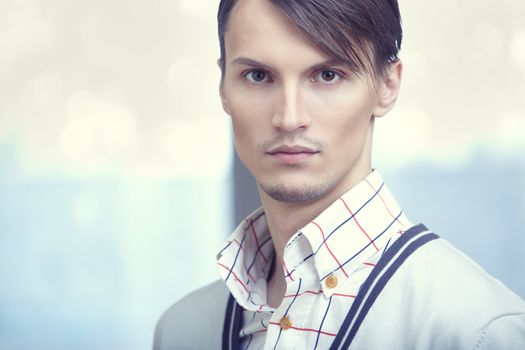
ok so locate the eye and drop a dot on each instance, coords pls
(327, 76)
(257, 76)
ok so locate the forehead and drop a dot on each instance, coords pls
(259, 29)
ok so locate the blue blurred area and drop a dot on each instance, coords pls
(479, 207)
(91, 264)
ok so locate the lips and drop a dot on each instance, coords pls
(292, 154)
(291, 149)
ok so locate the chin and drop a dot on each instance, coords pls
(295, 194)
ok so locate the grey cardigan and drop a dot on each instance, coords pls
(423, 294)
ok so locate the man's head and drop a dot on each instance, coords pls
(361, 34)
(302, 106)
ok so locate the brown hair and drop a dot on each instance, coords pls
(357, 33)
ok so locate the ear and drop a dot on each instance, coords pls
(388, 88)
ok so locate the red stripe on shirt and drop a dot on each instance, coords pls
(257, 242)
(305, 292)
(287, 272)
(324, 240)
(245, 267)
(359, 225)
(234, 275)
(306, 329)
(386, 206)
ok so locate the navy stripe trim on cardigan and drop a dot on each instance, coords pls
(232, 325)
(389, 263)
(384, 280)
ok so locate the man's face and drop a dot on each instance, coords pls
(302, 123)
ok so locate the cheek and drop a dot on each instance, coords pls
(249, 114)
(249, 118)
(347, 118)
(243, 142)
(240, 131)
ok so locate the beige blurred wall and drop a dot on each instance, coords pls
(87, 85)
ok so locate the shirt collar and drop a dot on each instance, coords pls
(349, 233)
(353, 229)
(246, 259)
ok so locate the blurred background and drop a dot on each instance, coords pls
(118, 180)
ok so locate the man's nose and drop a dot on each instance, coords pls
(289, 112)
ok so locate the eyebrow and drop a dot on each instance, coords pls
(249, 62)
(326, 64)
(256, 64)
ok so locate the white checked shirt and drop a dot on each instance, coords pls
(325, 264)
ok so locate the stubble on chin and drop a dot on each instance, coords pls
(294, 194)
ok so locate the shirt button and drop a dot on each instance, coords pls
(285, 323)
(331, 281)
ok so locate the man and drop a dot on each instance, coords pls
(330, 261)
